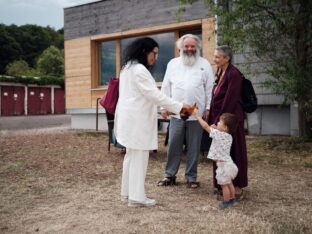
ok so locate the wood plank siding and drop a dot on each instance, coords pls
(78, 73)
(209, 39)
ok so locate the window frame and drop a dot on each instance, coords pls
(117, 51)
(96, 41)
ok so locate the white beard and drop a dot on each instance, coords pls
(189, 60)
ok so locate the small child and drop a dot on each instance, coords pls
(220, 153)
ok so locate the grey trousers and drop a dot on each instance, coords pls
(193, 132)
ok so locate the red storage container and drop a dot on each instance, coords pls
(59, 101)
(12, 100)
(39, 100)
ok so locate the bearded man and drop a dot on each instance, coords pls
(188, 79)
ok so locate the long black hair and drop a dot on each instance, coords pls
(138, 50)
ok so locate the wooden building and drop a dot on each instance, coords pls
(96, 34)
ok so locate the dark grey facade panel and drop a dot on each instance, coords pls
(104, 17)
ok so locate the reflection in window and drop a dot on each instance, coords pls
(166, 52)
(197, 32)
(107, 61)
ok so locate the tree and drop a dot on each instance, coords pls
(278, 32)
(57, 37)
(9, 49)
(26, 42)
(34, 40)
(17, 68)
(51, 62)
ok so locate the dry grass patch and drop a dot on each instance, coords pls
(67, 182)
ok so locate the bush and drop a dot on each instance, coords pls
(17, 68)
(51, 62)
(43, 80)
(32, 72)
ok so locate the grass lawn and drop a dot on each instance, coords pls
(67, 182)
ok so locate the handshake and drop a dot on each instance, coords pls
(186, 111)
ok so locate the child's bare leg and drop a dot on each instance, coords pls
(226, 192)
(232, 190)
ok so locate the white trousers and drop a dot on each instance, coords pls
(133, 174)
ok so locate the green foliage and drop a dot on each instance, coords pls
(43, 80)
(57, 37)
(32, 72)
(51, 62)
(26, 42)
(19, 67)
(278, 32)
(10, 50)
(33, 40)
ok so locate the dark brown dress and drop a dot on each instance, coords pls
(226, 98)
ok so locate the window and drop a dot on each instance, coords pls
(166, 52)
(107, 61)
(108, 55)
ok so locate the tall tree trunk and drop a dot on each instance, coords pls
(309, 129)
(301, 118)
(305, 124)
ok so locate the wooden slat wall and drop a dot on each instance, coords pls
(95, 58)
(148, 30)
(118, 62)
(209, 39)
(95, 95)
(78, 73)
(176, 37)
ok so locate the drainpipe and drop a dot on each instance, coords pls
(0, 100)
(52, 100)
(97, 115)
(260, 127)
(26, 100)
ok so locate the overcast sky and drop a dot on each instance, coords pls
(40, 12)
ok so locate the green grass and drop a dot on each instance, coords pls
(281, 151)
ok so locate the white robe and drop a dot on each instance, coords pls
(136, 111)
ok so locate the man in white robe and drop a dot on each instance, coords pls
(189, 79)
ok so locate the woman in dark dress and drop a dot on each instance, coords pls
(226, 96)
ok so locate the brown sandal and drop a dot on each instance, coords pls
(167, 181)
(193, 184)
(240, 196)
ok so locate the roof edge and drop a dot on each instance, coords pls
(89, 3)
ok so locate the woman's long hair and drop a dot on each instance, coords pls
(138, 51)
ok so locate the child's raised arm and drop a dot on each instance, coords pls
(201, 121)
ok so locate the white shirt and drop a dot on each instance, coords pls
(221, 146)
(189, 84)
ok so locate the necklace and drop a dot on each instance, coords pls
(219, 82)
